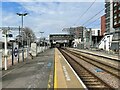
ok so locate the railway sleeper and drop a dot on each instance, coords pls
(93, 83)
(88, 77)
(101, 86)
(85, 75)
(90, 80)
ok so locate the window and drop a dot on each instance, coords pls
(115, 23)
(115, 11)
(115, 4)
(115, 17)
(119, 8)
(119, 21)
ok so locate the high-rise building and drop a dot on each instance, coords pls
(112, 17)
(116, 15)
(116, 25)
(109, 16)
(77, 32)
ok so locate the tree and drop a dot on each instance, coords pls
(28, 36)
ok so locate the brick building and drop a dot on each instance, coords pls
(103, 26)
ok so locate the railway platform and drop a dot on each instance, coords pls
(64, 75)
(33, 73)
(98, 53)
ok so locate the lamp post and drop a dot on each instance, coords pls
(41, 37)
(5, 32)
(22, 15)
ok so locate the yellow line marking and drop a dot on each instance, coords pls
(55, 73)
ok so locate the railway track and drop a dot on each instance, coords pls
(114, 70)
(88, 77)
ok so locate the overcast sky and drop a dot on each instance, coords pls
(50, 17)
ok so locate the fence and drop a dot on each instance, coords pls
(9, 58)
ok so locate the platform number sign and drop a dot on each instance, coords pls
(15, 51)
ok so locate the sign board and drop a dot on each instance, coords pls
(15, 51)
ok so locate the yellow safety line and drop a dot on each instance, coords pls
(49, 86)
(55, 72)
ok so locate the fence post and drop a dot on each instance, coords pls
(0, 60)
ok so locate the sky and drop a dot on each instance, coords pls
(50, 17)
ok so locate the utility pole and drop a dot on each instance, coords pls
(19, 46)
(5, 32)
(90, 38)
(22, 15)
(6, 50)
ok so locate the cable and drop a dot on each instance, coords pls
(93, 21)
(86, 11)
(95, 15)
(97, 19)
(92, 17)
(96, 25)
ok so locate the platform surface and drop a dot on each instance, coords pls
(64, 75)
(36, 73)
(103, 54)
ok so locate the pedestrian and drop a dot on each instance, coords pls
(30, 53)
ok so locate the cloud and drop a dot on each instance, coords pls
(10, 19)
(50, 17)
(52, 0)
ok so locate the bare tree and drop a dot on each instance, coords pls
(29, 34)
